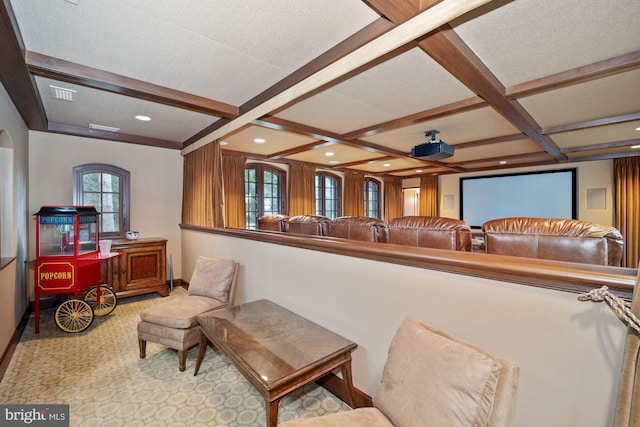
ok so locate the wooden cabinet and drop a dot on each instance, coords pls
(141, 269)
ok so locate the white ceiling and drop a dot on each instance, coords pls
(232, 52)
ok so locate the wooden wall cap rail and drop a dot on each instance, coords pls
(557, 275)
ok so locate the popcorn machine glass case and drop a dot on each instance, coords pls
(67, 231)
(68, 262)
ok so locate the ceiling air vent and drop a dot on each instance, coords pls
(62, 93)
(101, 127)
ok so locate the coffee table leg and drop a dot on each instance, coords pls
(348, 382)
(272, 412)
(202, 349)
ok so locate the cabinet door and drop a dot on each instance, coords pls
(143, 267)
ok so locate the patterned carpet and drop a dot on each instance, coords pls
(98, 372)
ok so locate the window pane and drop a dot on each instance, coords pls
(92, 199)
(110, 202)
(262, 193)
(109, 222)
(110, 183)
(91, 182)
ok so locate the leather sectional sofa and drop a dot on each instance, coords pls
(545, 238)
(552, 238)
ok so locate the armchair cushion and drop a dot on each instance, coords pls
(432, 378)
(179, 313)
(212, 278)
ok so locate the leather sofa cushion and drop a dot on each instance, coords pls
(360, 228)
(315, 225)
(553, 238)
(430, 232)
(273, 222)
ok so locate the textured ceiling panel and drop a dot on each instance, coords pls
(341, 154)
(494, 151)
(470, 126)
(599, 135)
(275, 141)
(526, 39)
(609, 96)
(108, 109)
(407, 84)
(228, 51)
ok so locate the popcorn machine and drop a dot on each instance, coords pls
(68, 263)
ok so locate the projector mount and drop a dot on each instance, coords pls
(431, 134)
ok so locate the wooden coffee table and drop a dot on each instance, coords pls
(276, 350)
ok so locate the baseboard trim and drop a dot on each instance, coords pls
(13, 342)
(335, 385)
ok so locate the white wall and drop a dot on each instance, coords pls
(13, 293)
(155, 174)
(569, 352)
(596, 174)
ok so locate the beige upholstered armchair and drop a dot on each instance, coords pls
(433, 379)
(173, 323)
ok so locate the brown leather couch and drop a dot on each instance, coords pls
(275, 222)
(557, 239)
(430, 232)
(359, 228)
(314, 225)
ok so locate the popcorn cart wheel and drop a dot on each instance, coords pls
(103, 305)
(74, 315)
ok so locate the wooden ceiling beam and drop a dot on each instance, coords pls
(14, 75)
(112, 136)
(360, 38)
(582, 74)
(603, 146)
(465, 105)
(450, 51)
(300, 149)
(593, 123)
(58, 69)
(288, 126)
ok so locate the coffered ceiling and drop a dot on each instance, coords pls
(507, 83)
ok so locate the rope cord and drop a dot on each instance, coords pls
(621, 308)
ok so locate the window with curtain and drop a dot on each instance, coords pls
(372, 198)
(328, 195)
(264, 192)
(106, 188)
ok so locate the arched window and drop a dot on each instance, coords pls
(264, 189)
(372, 195)
(105, 187)
(328, 194)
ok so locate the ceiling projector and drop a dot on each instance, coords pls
(433, 149)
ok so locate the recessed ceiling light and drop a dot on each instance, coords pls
(419, 171)
(386, 165)
(635, 147)
(334, 162)
(638, 128)
(102, 127)
(503, 162)
(259, 140)
(143, 118)
(224, 143)
(329, 153)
